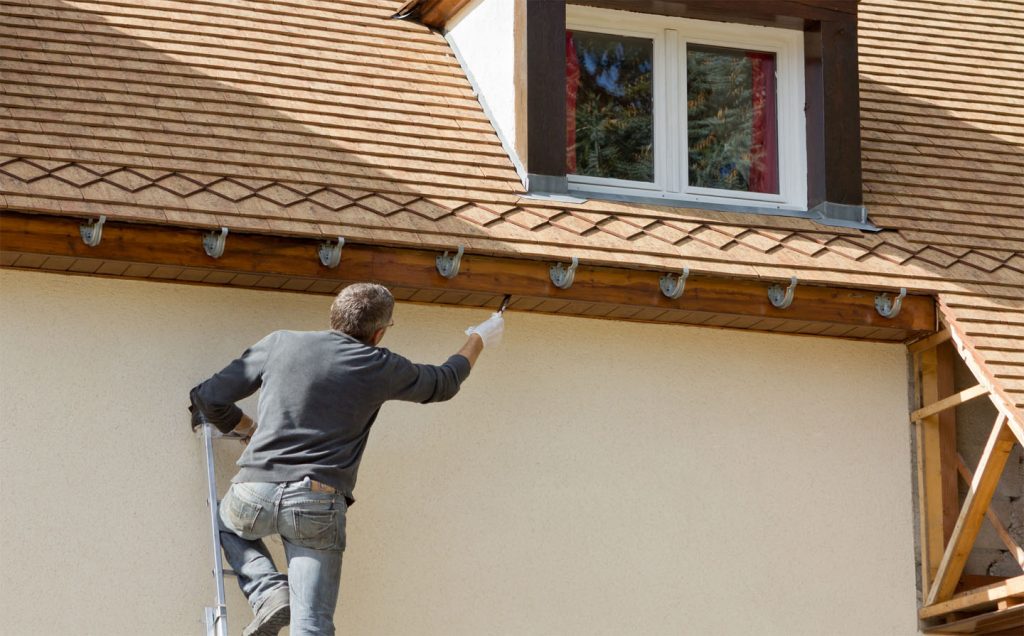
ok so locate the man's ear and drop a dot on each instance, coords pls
(377, 336)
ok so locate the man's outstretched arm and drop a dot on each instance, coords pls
(471, 350)
(426, 383)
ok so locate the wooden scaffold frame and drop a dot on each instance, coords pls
(949, 530)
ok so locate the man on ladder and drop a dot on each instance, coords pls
(320, 394)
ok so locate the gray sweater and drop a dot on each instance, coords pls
(320, 393)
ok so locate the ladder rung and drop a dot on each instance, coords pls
(231, 435)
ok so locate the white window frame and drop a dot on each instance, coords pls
(671, 36)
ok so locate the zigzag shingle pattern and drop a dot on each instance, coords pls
(317, 117)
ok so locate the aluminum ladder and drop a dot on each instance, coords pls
(216, 617)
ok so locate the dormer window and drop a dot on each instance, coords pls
(682, 109)
(737, 106)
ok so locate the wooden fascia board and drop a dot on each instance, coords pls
(403, 266)
(431, 13)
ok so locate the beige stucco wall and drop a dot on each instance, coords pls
(593, 477)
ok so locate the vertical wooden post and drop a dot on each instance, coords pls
(949, 460)
(938, 460)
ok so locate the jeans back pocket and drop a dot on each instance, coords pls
(317, 529)
(241, 515)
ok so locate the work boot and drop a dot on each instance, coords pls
(273, 615)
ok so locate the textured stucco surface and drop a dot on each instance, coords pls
(593, 477)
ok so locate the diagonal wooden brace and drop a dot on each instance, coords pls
(986, 478)
(993, 518)
(947, 403)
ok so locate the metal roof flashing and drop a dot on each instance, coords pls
(859, 221)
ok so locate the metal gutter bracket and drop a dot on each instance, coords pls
(447, 265)
(213, 242)
(563, 276)
(782, 298)
(330, 252)
(889, 307)
(92, 231)
(673, 288)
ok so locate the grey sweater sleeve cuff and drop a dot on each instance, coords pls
(224, 417)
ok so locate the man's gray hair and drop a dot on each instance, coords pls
(361, 309)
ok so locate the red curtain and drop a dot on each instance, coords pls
(764, 147)
(572, 86)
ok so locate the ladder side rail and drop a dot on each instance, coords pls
(220, 612)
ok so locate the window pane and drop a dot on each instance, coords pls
(732, 119)
(610, 106)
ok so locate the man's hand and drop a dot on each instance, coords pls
(486, 334)
(246, 427)
(198, 419)
(490, 330)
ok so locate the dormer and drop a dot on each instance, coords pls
(743, 106)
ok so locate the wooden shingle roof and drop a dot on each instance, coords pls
(324, 118)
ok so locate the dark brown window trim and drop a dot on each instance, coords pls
(791, 14)
(833, 115)
(545, 94)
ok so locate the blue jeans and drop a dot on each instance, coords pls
(312, 525)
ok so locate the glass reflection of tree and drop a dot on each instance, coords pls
(614, 109)
(721, 119)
